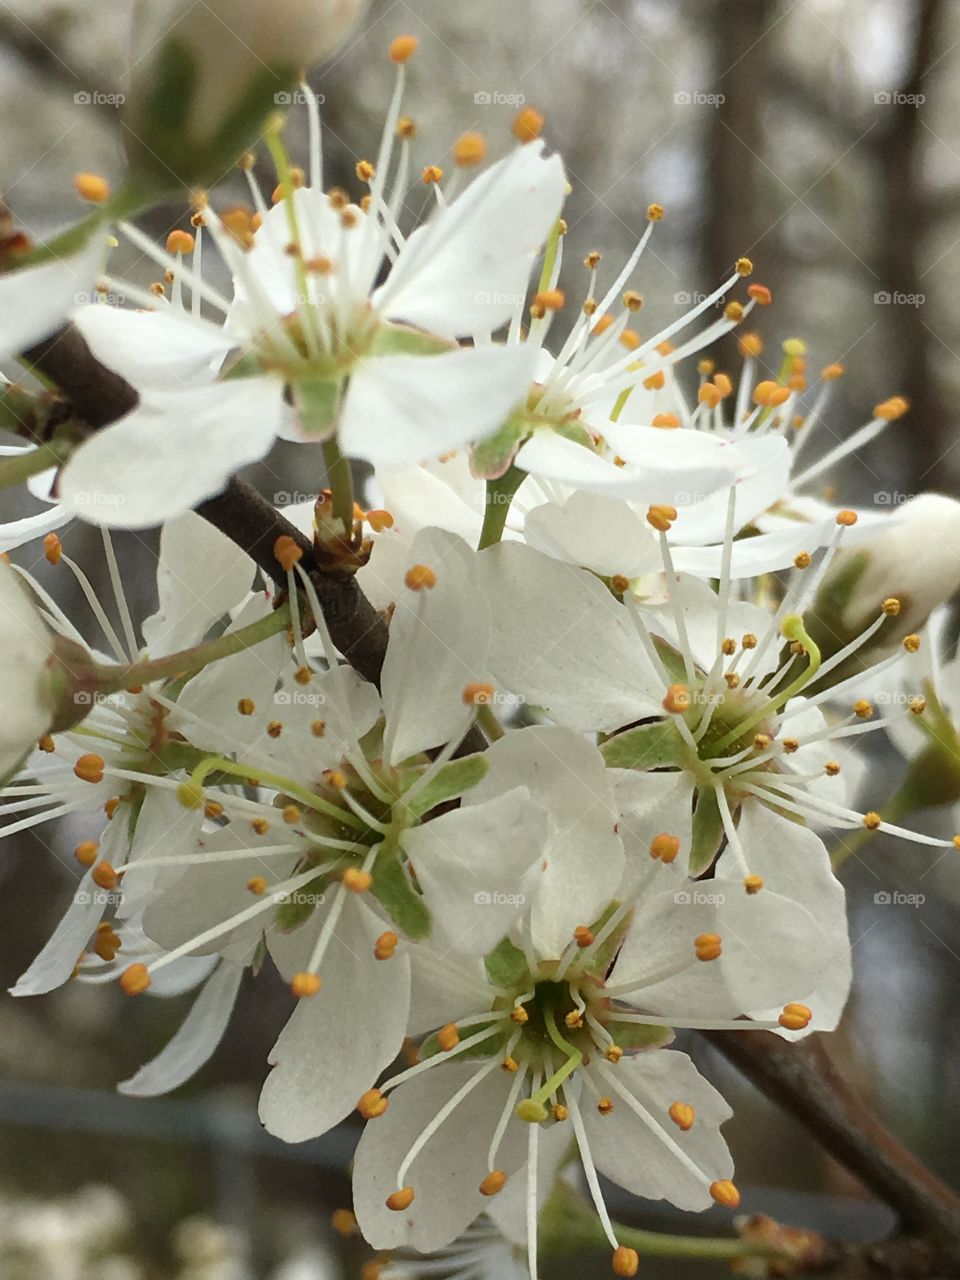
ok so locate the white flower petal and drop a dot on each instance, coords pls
(35, 299)
(762, 469)
(171, 452)
(154, 350)
(401, 409)
(601, 534)
(653, 804)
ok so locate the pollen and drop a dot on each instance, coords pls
(520, 1016)
(478, 695)
(790, 745)
(626, 1262)
(400, 1200)
(708, 946)
(111, 807)
(46, 743)
(52, 548)
(510, 1065)
(386, 946)
(613, 1053)
(274, 729)
(619, 584)
(656, 382)
(863, 709)
(593, 259)
(802, 561)
(257, 886)
(379, 520)
(90, 767)
(752, 884)
(665, 420)
(709, 394)
(134, 980)
(682, 1115)
(890, 410)
(559, 1112)
(343, 1222)
(661, 517)
(406, 127)
(751, 345)
(180, 242)
(733, 311)
(336, 778)
(528, 125)
(725, 1193)
(872, 820)
(402, 50)
(677, 700)
(431, 175)
(583, 936)
(448, 1037)
(574, 1020)
(547, 300)
(795, 1017)
(911, 643)
(760, 294)
(605, 1106)
(832, 768)
(493, 1183)
(632, 300)
(357, 881)
(664, 847)
(743, 267)
(420, 577)
(86, 852)
(470, 150)
(292, 814)
(213, 809)
(305, 985)
(365, 171)
(655, 212)
(917, 705)
(847, 518)
(372, 1104)
(318, 728)
(92, 188)
(287, 552)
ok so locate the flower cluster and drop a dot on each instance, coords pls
(630, 656)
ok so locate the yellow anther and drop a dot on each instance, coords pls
(343, 1222)
(559, 1112)
(891, 607)
(725, 1193)
(752, 884)
(493, 1183)
(832, 768)
(682, 1115)
(574, 1020)
(750, 345)
(547, 300)
(510, 1065)
(602, 325)
(366, 172)
(372, 1104)
(891, 409)
(402, 50)
(917, 705)
(632, 300)
(847, 518)
(432, 174)
(613, 1053)
(709, 395)
(795, 1017)
(180, 242)
(790, 745)
(386, 946)
(86, 852)
(872, 820)
(660, 516)
(478, 695)
(357, 881)
(90, 767)
(520, 1016)
(213, 809)
(863, 709)
(400, 1200)
(134, 980)
(528, 125)
(593, 259)
(92, 188)
(677, 699)
(379, 520)
(420, 577)
(52, 548)
(448, 1037)
(318, 728)
(911, 643)
(802, 561)
(956, 842)
(406, 127)
(664, 847)
(770, 394)
(655, 212)
(257, 885)
(305, 985)
(656, 382)
(583, 936)
(260, 826)
(625, 1262)
(292, 814)
(723, 384)
(667, 421)
(335, 778)
(630, 339)
(708, 946)
(743, 267)
(470, 150)
(733, 311)
(274, 728)
(111, 807)
(246, 706)
(605, 1106)
(619, 584)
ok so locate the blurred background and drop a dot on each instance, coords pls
(819, 138)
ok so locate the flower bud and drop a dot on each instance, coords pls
(206, 77)
(912, 560)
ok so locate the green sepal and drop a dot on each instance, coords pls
(506, 965)
(394, 891)
(317, 402)
(672, 660)
(649, 746)
(638, 1035)
(402, 340)
(575, 431)
(291, 915)
(452, 781)
(603, 956)
(707, 830)
(491, 458)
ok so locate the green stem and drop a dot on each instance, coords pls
(15, 470)
(489, 723)
(340, 477)
(112, 679)
(499, 496)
